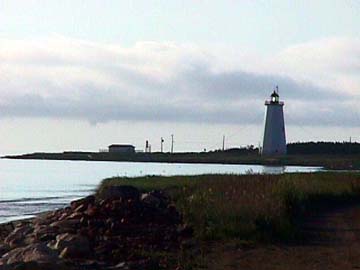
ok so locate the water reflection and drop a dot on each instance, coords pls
(273, 169)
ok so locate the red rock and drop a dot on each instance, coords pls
(43, 229)
(81, 208)
(17, 236)
(150, 200)
(4, 248)
(62, 216)
(113, 229)
(38, 266)
(117, 205)
(65, 226)
(92, 211)
(84, 201)
(76, 215)
(77, 245)
(35, 252)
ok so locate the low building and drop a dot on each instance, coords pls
(121, 148)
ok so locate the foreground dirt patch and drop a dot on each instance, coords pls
(333, 242)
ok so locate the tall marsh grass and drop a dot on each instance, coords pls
(252, 207)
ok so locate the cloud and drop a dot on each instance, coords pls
(332, 63)
(75, 79)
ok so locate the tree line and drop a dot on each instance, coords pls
(344, 148)
(306, 148)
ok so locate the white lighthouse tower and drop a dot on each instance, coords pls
(274, 141)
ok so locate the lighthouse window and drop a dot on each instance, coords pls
(274, 99)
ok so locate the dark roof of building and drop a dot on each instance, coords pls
(122, 145)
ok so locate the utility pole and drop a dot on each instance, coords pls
(172, 143)
(146, 146)
(223, 147)
(162, 143)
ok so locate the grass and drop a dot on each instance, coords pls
(249, 207)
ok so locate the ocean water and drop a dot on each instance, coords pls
(28, 187)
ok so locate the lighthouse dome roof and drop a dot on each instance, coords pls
(274, 94)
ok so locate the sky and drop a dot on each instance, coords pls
(80, 75)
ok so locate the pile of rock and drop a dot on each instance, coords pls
(121, 228)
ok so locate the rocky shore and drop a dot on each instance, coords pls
(120, 228)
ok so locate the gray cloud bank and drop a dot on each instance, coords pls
(65, 78)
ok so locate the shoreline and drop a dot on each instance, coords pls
(327, 162)
(174, 162)
(107, 230)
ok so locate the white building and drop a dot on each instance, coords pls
(121, 148)
(274, 141)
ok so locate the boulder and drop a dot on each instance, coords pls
(17, 236)
(71, 252)
(162, 196)
(76, 215)
(72, 245)
(92, 211)
(5, 230)
(35, 252)
(84, 202)
(150, 199)
(4, 248)
(65, 226)
(81, 208)
(43, 229)
(45, 218)
(107, 233)
(119, 266)
(36, 266)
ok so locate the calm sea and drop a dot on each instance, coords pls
(28, 187)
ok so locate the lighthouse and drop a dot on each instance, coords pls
(274, 141)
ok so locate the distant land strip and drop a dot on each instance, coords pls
(333, 156)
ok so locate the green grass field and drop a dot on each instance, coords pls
(249, 207)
